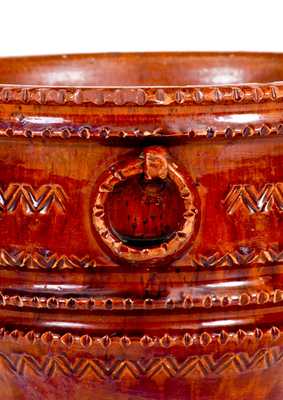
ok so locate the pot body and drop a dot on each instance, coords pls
(140, 239)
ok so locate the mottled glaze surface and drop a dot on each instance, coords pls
(141, 200)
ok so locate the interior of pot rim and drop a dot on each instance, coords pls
(142, 69)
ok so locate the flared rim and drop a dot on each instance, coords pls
(142, 78)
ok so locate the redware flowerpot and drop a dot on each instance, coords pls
(141, 247)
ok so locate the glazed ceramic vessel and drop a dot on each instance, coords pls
(141, 206)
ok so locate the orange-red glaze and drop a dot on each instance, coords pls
(141, 201)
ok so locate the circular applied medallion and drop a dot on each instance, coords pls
(146, 208)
